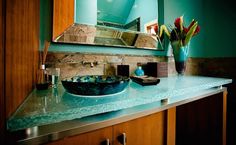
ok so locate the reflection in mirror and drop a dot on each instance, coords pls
(133, 25)
(123, 23)
(125, 12)
(118, 14)
(88, 34)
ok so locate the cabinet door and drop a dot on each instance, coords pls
(202, 122)
(97, 137)
(149, 130)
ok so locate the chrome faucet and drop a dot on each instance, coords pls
(92, 64)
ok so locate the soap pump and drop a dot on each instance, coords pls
(139, 71)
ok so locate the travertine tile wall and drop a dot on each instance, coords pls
(216, 67)
(71, 64)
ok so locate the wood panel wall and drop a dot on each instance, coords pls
(63, 16)
(2, 99)
(21, 54)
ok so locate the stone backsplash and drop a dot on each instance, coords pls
(72, 64)
(214, 67)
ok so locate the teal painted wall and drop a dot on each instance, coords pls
(87, 12)
(115, 11)
(147, 10)
(46, 31)
(220, 30)
(217, 20)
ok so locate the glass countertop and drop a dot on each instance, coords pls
(56, 105)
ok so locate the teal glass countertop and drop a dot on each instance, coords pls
(56, 105)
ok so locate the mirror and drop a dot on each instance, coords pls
(121, 23)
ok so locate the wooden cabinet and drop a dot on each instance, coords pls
(154, 129)
(19, 47)
(2, 99)
(202, 122)
(97, 137)
(143, 131)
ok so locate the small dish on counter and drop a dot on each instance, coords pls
(42, 86)
(95, 85)
(145, 80)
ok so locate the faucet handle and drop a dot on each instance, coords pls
(95, 63)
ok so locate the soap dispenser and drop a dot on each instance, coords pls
(139, 71)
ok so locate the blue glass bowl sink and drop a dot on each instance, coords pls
(94, 85)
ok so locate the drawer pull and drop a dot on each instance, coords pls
(106, 142)
(122, 139)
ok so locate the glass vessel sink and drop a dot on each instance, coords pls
(95, 85)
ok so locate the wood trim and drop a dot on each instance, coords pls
(224, 126)
(22, 45)
(2, 72)
(63, 16)
(171, 126)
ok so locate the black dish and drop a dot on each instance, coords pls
(95, 84)
(42, 86)
(146, 80)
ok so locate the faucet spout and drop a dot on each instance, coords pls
(92, 64)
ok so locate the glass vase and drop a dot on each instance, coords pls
(180, 56)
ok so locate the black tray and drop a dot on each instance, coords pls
(145, 80)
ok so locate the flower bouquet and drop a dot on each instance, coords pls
(180, 37)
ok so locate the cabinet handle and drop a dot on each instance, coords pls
(122, 139)
(106, 142)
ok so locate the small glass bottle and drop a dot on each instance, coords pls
(42, 83)
(41, 74)
(139, 71)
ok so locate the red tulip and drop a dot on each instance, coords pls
(186, 30)
(197, 30)
(191, 24)
(180, 33)
(177, 23)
